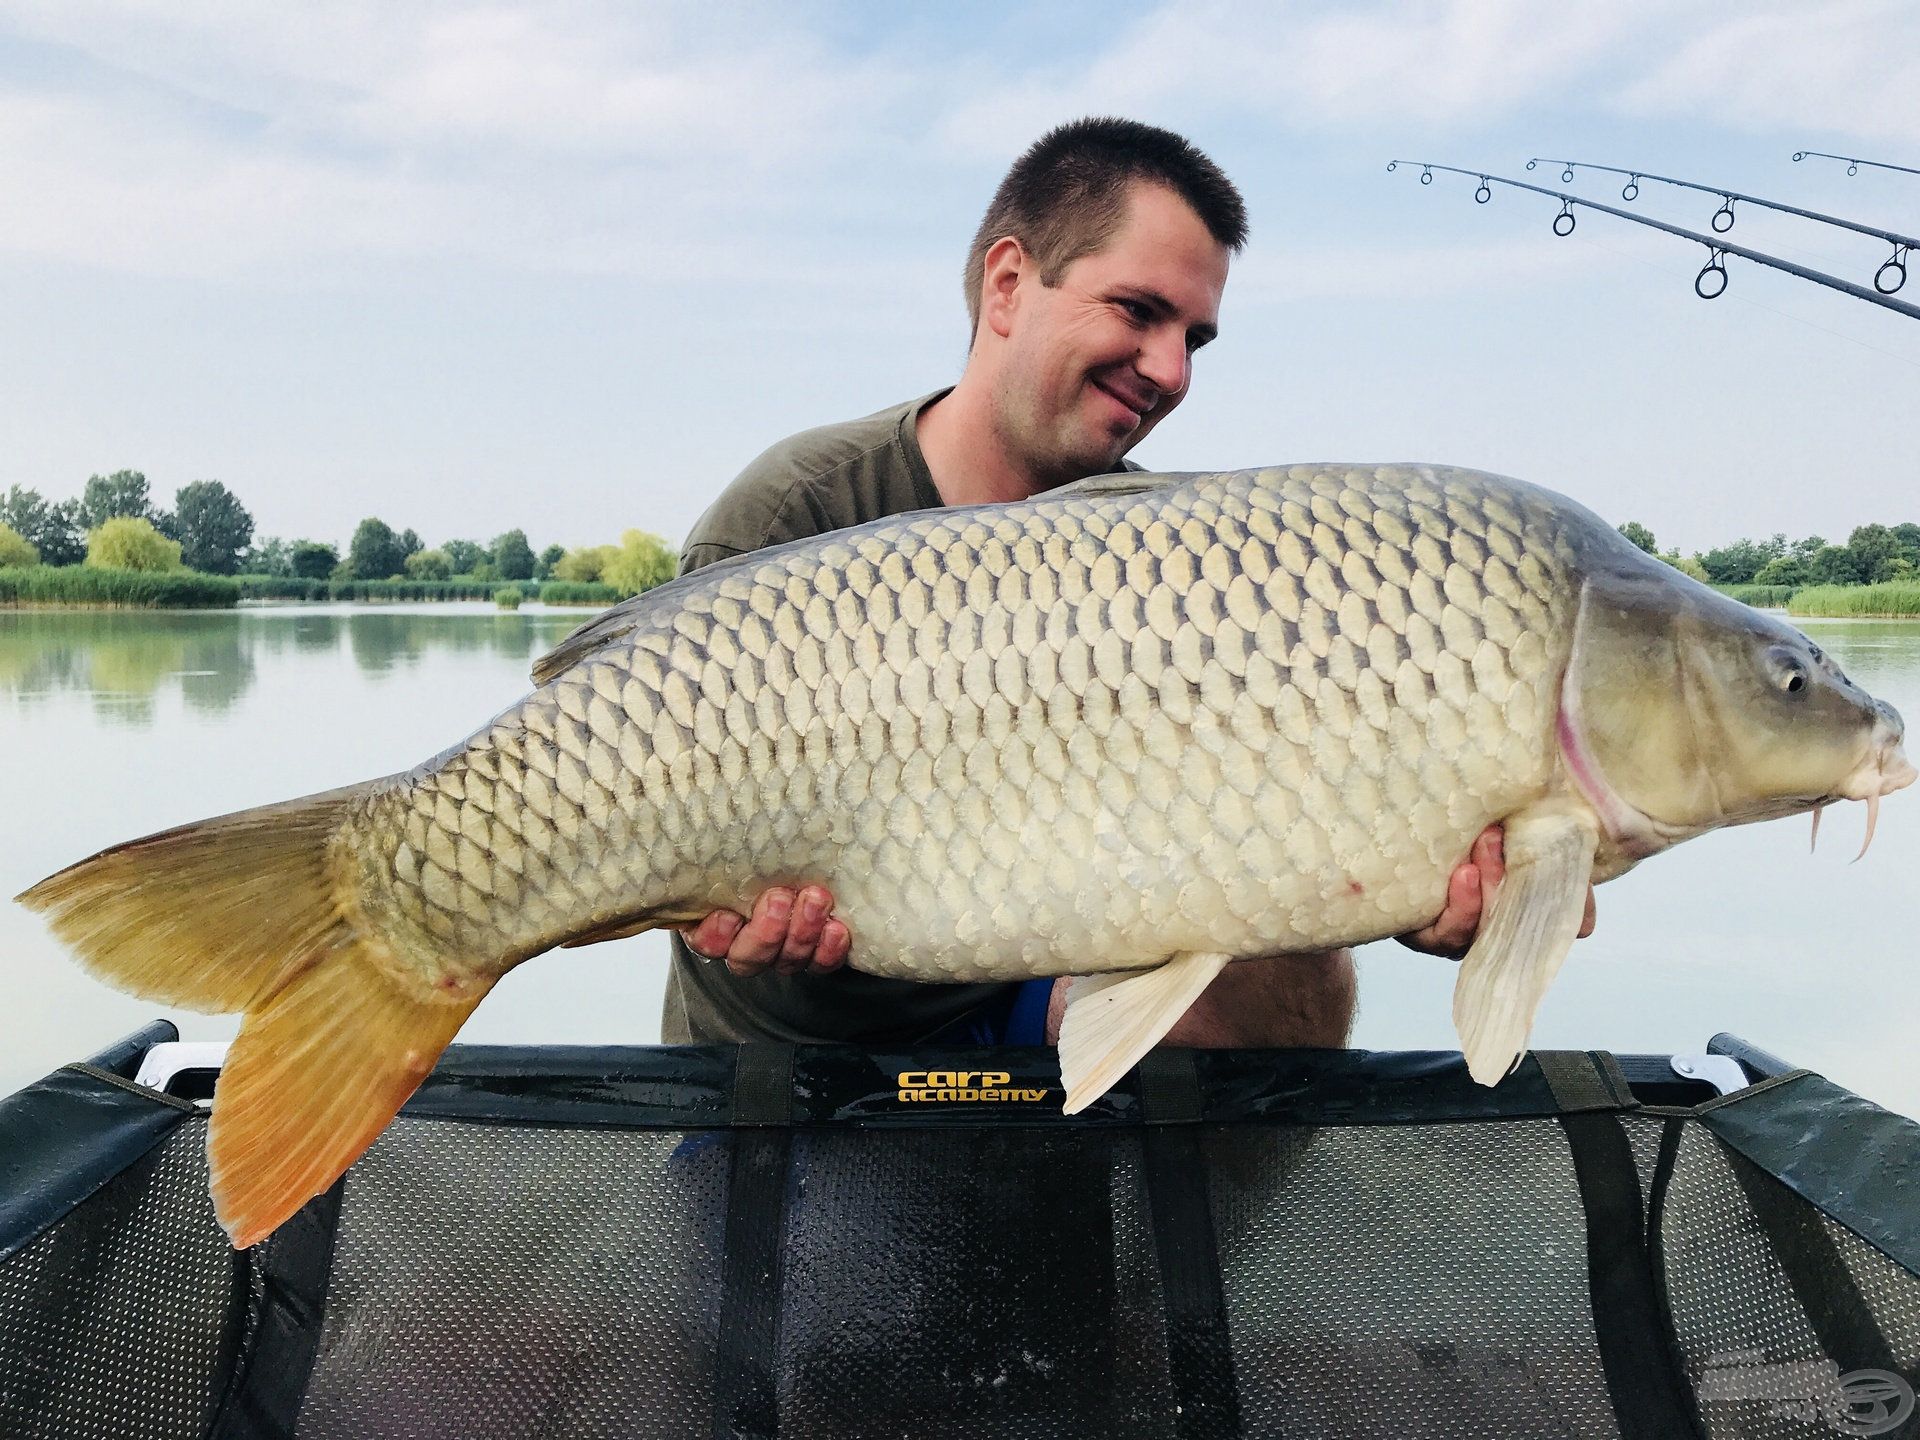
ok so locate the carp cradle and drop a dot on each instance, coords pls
(782, 1242)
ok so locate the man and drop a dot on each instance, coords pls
(1094, 277)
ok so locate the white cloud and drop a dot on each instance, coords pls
(1850, 69)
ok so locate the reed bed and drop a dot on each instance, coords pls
(94, 588)
(278, 587)
(577, 592)
(1761, 597)
(1891, 599)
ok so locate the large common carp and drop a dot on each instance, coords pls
(1137, 727)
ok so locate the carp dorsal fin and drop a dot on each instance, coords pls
(1113, 1020)
(1526, 933)
(624, 618)
(1122, 482)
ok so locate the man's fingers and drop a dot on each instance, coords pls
(759, 942)
(711, 937)
(804, 924)
(1490, 856)
(836, 942)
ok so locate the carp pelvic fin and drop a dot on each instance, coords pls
(1113, 1020)
(1532, 924)
(316, 1073)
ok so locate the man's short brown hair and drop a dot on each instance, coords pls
(1066, 196)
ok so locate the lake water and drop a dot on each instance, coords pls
(113, 725)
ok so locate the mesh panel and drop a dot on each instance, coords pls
(111, 1322)
(1758, 1367)
(971, 1284)
(509, 1282)
(1408, 1281)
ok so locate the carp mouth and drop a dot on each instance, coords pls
(1885, 770)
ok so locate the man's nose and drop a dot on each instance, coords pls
(1163, 361)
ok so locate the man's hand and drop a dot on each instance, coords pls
(790, 933)
(1469, 892)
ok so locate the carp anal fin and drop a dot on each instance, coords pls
(317, 1072)
(1114, 1020)
(1531, 925)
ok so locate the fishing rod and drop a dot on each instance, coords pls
(1710, 283)
(1895, 269)
(1853, 166)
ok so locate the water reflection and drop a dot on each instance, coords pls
(124, 661)
(384, 641)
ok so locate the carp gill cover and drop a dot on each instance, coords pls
(1133, 728)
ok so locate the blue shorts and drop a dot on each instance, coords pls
(1019, 1017)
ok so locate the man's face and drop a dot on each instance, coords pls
(1095, 362)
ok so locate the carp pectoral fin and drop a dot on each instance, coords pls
(1534, 918)
(1113, 1020)
(316, 1073)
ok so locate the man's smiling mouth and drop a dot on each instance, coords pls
(1134, 404)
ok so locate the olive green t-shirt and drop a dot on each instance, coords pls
(820, 480)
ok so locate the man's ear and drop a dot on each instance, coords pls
(1006, 264)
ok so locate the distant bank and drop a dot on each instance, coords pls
(92, 587)
(1889, 600)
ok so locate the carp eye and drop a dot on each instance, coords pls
(1789, 671)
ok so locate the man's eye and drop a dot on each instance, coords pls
(1137, 312)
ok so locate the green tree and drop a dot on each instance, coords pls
(1874, 549)
(1833, 565)
(1908, 534)
(642, 562)
(130, 542)
(512, 556)
(1783, 570)
(14, 549)
(271, 556)
(1639, 535)
(428, 565)
(374, 553)
(1811, 546)
(549, 557)
(1738, 563)
(1687, 565)
(52, 529)
(409, 544)
(463, 555)
(212, 526)
(311, 560)
(124, 492)
(584, 566)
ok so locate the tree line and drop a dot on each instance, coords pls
(1873, 554)
(115, 523)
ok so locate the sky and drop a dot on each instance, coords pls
(569, 266)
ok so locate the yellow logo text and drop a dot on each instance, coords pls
(919, 1086)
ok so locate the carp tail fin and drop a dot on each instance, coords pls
(247, 912)
(210, 915)
(1114, 1020)
(1534, 918)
